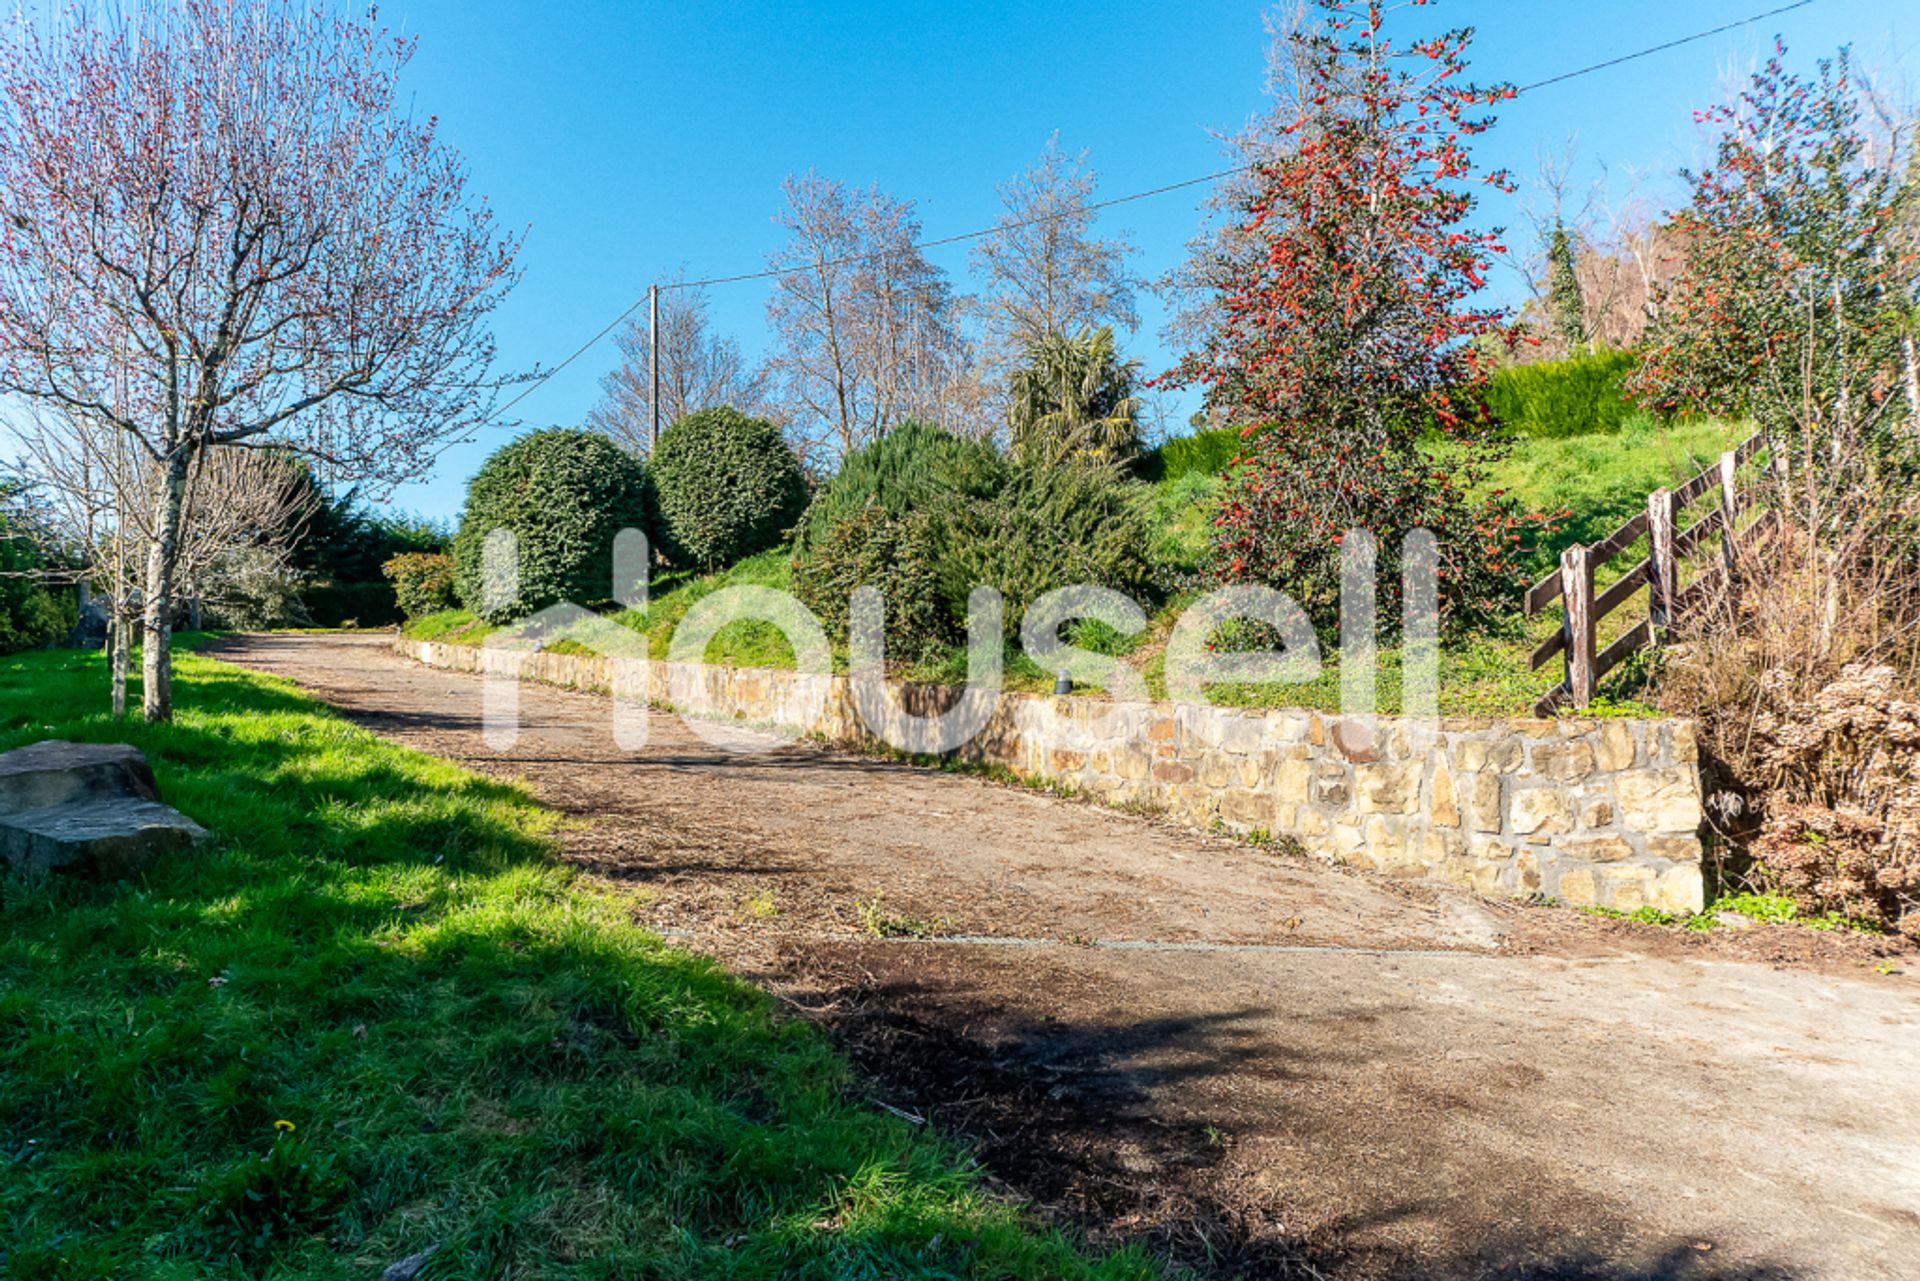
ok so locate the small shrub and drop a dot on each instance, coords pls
(895, 554)
(566, 494)
(1578, 397)
(1283, 518)
(728, 486)
(1047, 527)
(1843, 833)
(914, 467)
(422, 582)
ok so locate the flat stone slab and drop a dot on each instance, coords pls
(56, 772)
(109, 838)
(85, 807)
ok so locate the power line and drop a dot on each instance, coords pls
(1662, 48)
(540, 380)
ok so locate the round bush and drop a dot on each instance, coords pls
(914, 467)
(727, 486)
(895, 554)
(565, 493)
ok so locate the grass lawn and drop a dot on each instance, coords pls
(376, 1014)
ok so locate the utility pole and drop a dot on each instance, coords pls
(653, 365)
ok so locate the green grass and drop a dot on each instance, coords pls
(1774, 909)
(467, 1043)
(1603, 480)
(747, 643)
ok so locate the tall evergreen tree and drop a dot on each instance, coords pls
(1566, 302)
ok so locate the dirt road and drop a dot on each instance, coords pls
(1264, 1067)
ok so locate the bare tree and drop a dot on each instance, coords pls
(221, 226)
(1043, 273)
(242, 509)
(863, 323)
(698, 369)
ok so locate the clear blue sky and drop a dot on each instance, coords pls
(632, 138)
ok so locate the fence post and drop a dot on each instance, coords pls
(1576, 589)
(1729, 511)
(1662, 573)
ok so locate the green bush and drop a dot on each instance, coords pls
(1208, 452)
(565, 493)
(1578, 397)
(30, 615)
(1047, 527)
(914, 467)
(422, 582)
(896, 554)
(728, 487)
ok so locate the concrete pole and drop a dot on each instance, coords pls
(653, 365)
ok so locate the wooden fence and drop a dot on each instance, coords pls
(1659, 572)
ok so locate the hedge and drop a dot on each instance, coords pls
(727, 485)
(565, 493)
(1578, 397)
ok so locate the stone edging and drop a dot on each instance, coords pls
(1590, 812)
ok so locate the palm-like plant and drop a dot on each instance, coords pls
(1073, 401)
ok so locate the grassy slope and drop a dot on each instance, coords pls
(473, 1044)
(1602, 480)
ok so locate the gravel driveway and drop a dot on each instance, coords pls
(1263, 1066)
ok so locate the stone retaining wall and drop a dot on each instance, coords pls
(1590, 812)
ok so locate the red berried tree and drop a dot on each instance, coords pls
(1353, 331)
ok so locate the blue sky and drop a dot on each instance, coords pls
(633, 138)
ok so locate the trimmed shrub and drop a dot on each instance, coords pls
(1208, 452)
(1047, 527)
(914, 467)
(422, 582)
(1578, 397)
(565, 493)
(727, 485)
(896, 554)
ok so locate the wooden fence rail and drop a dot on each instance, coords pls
(1659, 573)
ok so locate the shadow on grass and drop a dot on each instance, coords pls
(375, 1016)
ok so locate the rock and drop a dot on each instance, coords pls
(1357, 741)
(408, 1268)
(56, 772)
(1615, 740)
(1563, 762)
(1388, 789)
(85, 807)
(1662, 800)
(1541, 810)
(1445, 809)
(110, 838)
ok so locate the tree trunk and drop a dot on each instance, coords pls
(156, 658)
(120, 647)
